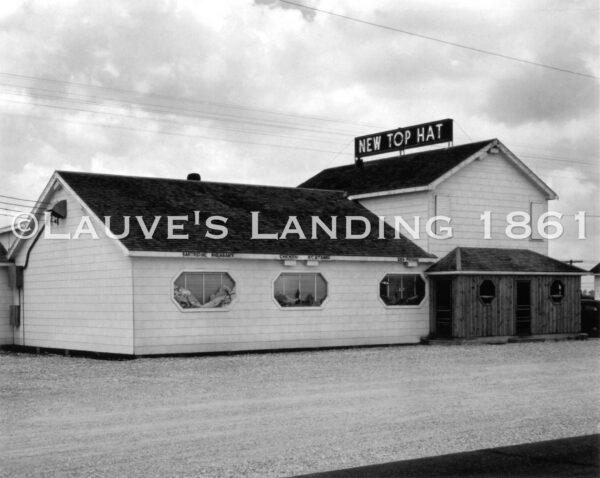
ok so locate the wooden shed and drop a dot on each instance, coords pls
(482, 292)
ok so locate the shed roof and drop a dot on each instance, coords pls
(490, 260)
(119, 196)
(595, 269)
(408, 171)
(421, 170)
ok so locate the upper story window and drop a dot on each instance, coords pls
(300, 289)
(557, 291)
(402, 289)
(203, 290)
(487, 291)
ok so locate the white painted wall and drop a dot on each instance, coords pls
(408, 206)
(352, 314)
(77, 293)
(489, 184)
(6, 335)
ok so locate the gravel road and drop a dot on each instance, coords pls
(288, 413)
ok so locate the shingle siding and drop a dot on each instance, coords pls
(466, 259)
(407, 171)
(119, 196)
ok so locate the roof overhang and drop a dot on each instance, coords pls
(278, 257)
(503, 273)
(55, 183)
(550, 194)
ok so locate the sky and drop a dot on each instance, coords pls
(265, 92)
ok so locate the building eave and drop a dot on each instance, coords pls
(504, 273)
(278, 257)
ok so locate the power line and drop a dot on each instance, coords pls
(185, 99)
(12, 210)
(439, 40)
(562, 160)
(171, 133)
(163, 120)
(21, 199)
(206, 115)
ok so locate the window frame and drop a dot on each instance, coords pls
(302, 307)
(480, 297)
(226, 308)
(554, 301)
(400, 306)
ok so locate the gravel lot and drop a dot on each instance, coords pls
(290, 413)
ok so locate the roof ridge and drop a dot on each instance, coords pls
(187, 181)
(414, 153)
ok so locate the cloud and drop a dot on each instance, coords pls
(260, 92)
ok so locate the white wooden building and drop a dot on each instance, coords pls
(139, 296)
(461, 183)
(272, 282)
(504, 284)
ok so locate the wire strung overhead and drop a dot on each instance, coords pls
(446, 42)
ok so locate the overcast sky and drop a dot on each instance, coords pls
(267, 93)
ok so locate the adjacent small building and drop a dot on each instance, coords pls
(596, 272)
(486, 292)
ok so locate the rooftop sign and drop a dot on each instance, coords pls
(403, 138)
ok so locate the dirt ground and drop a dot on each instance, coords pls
(289, 413)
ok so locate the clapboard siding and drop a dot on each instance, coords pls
(77, 293)
(6, 336)
(351, 315)
(489, 184)
(472, 318)
(408, 206)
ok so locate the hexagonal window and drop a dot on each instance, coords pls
(487, 291)
(203, 290)
(402, 289)
(300, 289)
(557, 291)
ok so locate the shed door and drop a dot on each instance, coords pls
(443, 308)
(523, 307)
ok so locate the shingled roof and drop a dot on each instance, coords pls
(408, 171)
(119, 196)
(489, 260)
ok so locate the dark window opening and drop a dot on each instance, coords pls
(557, 291)
(487, 291)
(402, 289)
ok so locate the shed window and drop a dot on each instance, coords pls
(487, 291)
(300, 289)
(203, 290)
(557, 291)
(402, 289)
